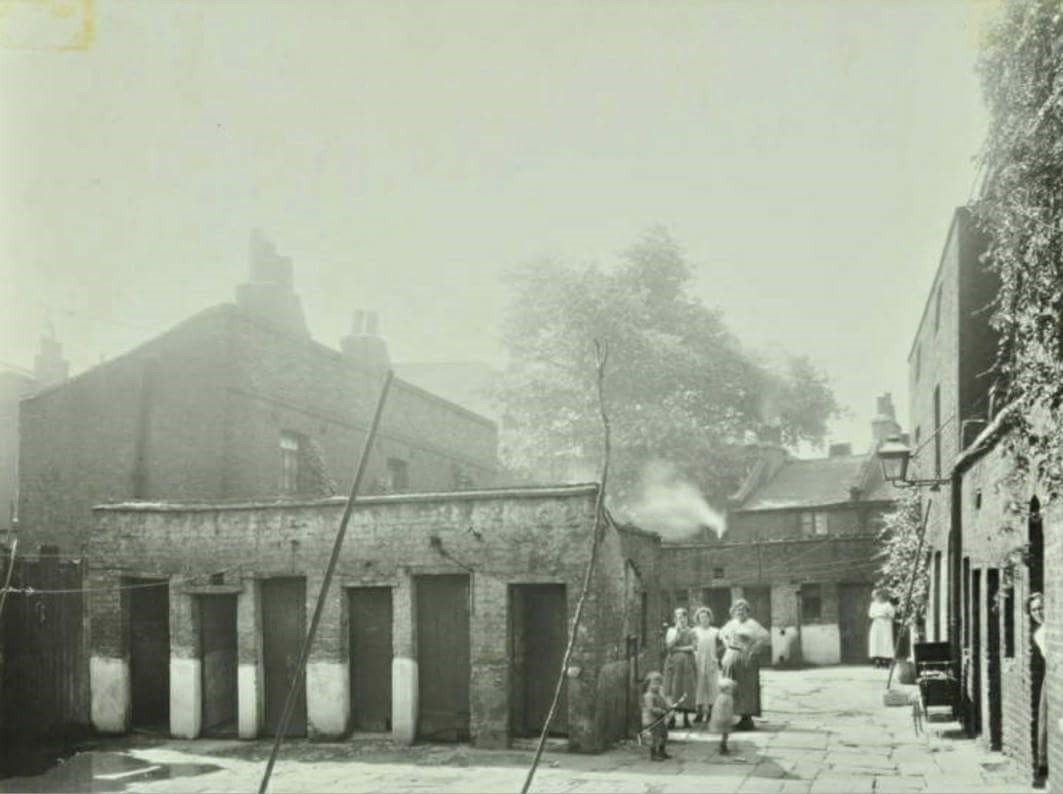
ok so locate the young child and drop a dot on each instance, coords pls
(655, 709)
(723, 712)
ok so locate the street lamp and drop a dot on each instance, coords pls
(894, 457)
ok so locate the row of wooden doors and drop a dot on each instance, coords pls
(538, 631)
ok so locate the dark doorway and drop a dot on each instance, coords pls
(759, 599)
(854, 600)
(283, 632)
(1036, 573)
(370, 654)
(992, 590)
(149, 653)
(975, 726)
(718, 599)
(443, 657)
(538, 635)
(217, 626)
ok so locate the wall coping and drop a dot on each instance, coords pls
(523, 492)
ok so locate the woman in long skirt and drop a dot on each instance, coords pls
(707, 662)
(880, 638)
(743, 636)
(680, 672)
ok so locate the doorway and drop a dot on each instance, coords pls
(149, 653)
(538, 636)
(718, 599)
(370, 652)
(217, 627)
(976, 653)
(444, 667)
(854, 600)
(283, 633)
(759, 599)
(1036, 573)
(992, 591)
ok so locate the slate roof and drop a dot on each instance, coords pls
(818, 483)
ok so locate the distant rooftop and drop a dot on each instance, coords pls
(818, 483)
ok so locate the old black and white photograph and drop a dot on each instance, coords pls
(650, 396)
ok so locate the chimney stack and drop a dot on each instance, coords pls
(364, 346)
(884, 424)
(269, 294)
(49, 366)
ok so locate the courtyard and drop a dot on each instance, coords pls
(823, 730)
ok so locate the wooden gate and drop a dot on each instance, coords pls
(443, 657)
(217, 625)
(538, 635)
(283, 632)
(149, 653)
(370, 654)
(854, 626)
(44, 674)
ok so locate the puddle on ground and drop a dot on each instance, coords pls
(101, 771)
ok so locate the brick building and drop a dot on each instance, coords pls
(237, 402)
(447, 618)
(800, 546)
(989, 542)
(49, 368)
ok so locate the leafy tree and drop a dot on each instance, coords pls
(679, 386)
(905, 557)
(1021, 211)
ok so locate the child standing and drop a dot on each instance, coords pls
(655, 709)
(723, 712)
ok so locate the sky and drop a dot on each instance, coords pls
(806, 155)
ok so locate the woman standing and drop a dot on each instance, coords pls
(680, 673)
(743, 637)
(707, 662)
(880, 638)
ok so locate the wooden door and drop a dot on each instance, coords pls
(283, 632)
(854, 625)
(539, 632)
(443, 657)
(718, 599)
(993, 642)
(370, 653)
(217, 626)
(759, 599)
(149, 653)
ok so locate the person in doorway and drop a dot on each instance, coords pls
(880, 638)
(1036, 608)
(680, 671)
(655, 710)
(743, 637)
(707, 662)
(723, 712)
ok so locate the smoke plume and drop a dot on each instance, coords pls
(671, 506)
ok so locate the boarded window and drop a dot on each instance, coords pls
(811, 603)
(289, 482)
(398, 475)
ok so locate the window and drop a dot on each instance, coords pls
(918, 434)
(717, 573)
(813, 523)
(937, 431)
(937, 309)
(1009, 622)
(289, 463)
(398, 475)
(811, 603)
(644, 619)
(978, 499)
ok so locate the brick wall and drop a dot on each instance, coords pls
(991, 530)
(499, 538)
(197, 413)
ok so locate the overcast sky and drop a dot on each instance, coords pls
(807, 155)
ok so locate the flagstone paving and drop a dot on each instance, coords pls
(824, 730)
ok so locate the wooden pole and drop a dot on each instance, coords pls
(601, 354)
(289, 701)
(911, 587)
